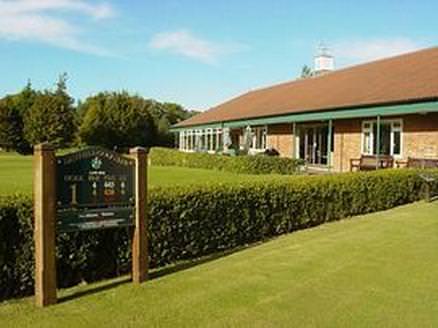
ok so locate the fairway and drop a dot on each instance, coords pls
(16, 175)
(375, 271)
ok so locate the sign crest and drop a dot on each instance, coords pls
(96, 163)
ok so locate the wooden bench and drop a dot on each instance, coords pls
(371, 162)
(418, 163)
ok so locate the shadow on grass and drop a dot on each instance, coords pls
(153, 274)
(90, 290)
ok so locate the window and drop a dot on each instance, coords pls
(366, 138)
(209, 145)
(259, 138)
(390, 137)
(213, 140)
(219, 139)
(187, 140)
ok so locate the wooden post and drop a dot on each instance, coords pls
(140, 240)
(44, 233)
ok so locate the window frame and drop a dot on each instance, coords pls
(259, 135)
(370, 130)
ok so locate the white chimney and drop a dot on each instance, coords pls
(324, 61)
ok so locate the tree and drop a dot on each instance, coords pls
(51, 117)
(306, 72)
(118, 119)
(171, 114)
(12, 111)
(176, 113)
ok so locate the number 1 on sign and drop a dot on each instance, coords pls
(74, 200)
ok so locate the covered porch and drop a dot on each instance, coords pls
(327, 140)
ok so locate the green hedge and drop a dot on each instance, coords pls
(189, 222)
(238, 164)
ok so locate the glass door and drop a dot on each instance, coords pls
(314, 144)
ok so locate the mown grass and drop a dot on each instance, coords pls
(16, 175)
(376, 271)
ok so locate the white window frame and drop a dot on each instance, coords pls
(190, 140)
(371, 131)
(262, 133)
(209, 140)
(219, 139)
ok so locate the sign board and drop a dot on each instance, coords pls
(95, 189)
(89, 189)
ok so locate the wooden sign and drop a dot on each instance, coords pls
(89, 189)
(95, 189)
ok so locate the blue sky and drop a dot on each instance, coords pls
(197, 53)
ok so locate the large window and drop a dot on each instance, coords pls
(187, 140)
(259, 138)
(390, 137)
(201, 140)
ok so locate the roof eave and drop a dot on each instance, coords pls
(405, 108)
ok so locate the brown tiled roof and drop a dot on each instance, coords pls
(407, 78)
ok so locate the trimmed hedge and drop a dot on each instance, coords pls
(237, 164)
(190, 222)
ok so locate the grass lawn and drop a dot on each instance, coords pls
(16, 175)
(377, 271)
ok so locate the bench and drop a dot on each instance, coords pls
(371, 162)
(418, 163)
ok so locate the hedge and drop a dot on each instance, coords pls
(238, 164)
(190, 222)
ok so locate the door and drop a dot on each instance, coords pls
(314, 144)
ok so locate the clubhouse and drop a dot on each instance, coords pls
(386, 108)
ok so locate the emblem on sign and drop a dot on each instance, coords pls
(96, 163)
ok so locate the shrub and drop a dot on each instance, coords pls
(237, 164)
(189, 222)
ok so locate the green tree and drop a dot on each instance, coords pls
(51, 117)
(118, 119)
(12, 111)
(306, 72)
(171, 114)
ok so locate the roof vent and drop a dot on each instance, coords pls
(324, 61)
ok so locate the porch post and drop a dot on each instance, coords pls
(329, 145)
(378, 143)
(294, 140)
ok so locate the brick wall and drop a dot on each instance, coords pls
(347, 143)
(420, 138)
(280, 137)
(420, 135)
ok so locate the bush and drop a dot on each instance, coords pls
(237, 164)
(193, 221)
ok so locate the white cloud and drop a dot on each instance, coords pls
(359, 51)
(186, 44)
(40, 20)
